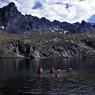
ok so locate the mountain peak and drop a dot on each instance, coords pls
(11, 4)
(8, 13)
(9, 7)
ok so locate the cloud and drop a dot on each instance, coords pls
(92, 19)
(37, 5)
(62, 10)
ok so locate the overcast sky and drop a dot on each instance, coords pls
(62, 10)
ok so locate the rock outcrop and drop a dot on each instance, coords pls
(45, 45)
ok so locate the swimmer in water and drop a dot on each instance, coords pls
(52, 70)
(39, 71)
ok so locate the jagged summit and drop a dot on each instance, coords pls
(11, 4)
(9, 7)
(14, 22)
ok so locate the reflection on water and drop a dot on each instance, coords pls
(17, 77)
(75, 63)
(16, 66)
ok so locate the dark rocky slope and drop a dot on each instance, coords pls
(12, 21)
(41, 38)
(46, 44)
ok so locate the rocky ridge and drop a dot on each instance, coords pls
(12, 21)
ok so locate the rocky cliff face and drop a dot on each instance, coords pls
(45, 45)
(12, 21)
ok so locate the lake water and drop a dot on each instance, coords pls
(18, 76)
